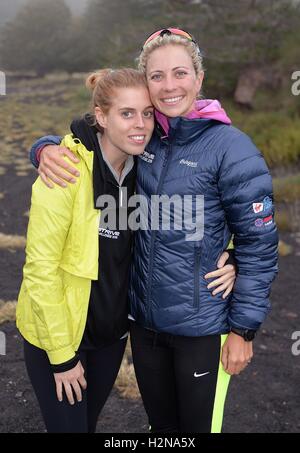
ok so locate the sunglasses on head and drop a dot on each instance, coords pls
(169, 31)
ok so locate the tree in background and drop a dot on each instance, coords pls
(114, 29)
(38, 38)
(8, 9)
(246, 43)
(243, 41)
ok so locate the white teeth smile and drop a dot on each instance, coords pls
(137, 137)
(173, 100)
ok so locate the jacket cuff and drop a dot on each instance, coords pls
(66, 366)
(39, 144)
(247, 324)
(61, 355)
(38, 153)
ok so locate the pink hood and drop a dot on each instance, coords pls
(204, 108)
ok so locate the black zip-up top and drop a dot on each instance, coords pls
(108, 306)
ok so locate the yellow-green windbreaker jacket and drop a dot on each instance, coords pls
(61, 260)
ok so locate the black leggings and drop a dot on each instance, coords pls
(181, 380)
(101, 369)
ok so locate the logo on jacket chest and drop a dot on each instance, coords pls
(188, 163)
(147, 157)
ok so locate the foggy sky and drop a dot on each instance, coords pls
(9, 8)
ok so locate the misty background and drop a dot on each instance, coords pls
(9, 8)
(251, 51)
(247, 44)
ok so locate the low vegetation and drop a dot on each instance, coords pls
(275, 133)
(8, 241)
(7, 311)
(126, 381)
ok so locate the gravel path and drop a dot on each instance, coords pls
(265, 398)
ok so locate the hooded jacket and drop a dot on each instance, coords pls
(61, 261)
(71, 294)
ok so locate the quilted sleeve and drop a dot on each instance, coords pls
(246, 192)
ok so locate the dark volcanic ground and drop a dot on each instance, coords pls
(265, 398)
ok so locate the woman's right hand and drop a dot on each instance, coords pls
(72, 381)
(236, 354)
(52, 166)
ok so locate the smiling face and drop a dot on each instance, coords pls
(129, 122)
(172, 80)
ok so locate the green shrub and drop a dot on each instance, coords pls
(287, 190)
(276, 134)
(282, 221)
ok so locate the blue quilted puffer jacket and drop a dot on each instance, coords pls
(168, 291)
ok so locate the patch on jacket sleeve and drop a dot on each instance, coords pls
(257, 207)
(263, 221)
(267, 202)
(262, 206)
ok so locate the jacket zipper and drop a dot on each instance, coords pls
(120, 196)
(153, 233)
(197, 254)
(119, 187)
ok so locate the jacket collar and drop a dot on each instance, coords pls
(185, 130)
(87, 134)
(88, 146)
